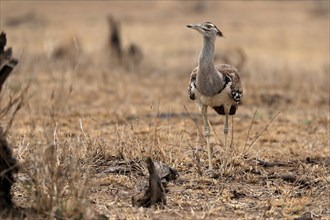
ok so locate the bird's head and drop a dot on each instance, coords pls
(206, 29)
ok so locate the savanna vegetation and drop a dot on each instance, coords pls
(92, 112)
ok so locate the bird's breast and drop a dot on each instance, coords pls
(222, 98)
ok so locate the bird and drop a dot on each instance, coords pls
(217, 86)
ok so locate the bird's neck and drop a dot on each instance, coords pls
(206, 56)
(209, 81)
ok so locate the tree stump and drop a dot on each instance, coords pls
(155, 193)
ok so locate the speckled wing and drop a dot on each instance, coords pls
(231, 76)
(192, 84)
(231, 73)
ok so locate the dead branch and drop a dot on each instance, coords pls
(8, 166)
(155, 193)
(114, 41)
(129, 57)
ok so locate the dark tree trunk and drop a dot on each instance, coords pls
(8, 164)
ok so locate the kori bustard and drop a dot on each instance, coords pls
(216, 86)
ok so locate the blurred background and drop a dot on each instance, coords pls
(110, 62)
(274, 44)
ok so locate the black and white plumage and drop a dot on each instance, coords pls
(215, 86)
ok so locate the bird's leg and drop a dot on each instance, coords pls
(232, 131)
(225, 129)
(207, 134)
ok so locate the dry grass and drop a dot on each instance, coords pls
(81, 113)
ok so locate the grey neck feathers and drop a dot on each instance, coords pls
(206, 56)
(209, 81)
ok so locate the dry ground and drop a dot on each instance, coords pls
(82, 113)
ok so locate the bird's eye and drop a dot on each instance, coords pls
(208, 26)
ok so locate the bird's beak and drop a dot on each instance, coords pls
(196, 27)
(193, 26)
